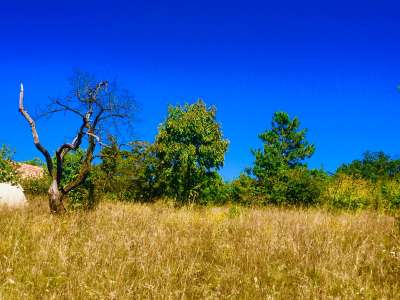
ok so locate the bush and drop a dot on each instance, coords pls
(7, 169)
(36, 186)
(347, 192)
(243, 191)
(83, 197)
(128, 175)
(214, 190)
(297, 186)
(304, 187)
(374, 166)
(391, 194)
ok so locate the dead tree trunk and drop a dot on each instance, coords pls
(94, 106)
(56, 192)
(56, 198)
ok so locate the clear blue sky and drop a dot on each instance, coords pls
(334, 64)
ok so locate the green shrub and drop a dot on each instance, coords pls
(297, 186)
(83, 197)
(243, 191)
(36, 186)
(374, 166)
(128, 175)
(303, 186)
(214, 190)
(7, 169)
(234, 212)
(346, 192)
(391, 193)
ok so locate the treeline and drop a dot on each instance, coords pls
(182, 165)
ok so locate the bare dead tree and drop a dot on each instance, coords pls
(99, 107)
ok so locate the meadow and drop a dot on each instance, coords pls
(158, 251)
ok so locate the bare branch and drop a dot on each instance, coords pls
(68, 108)
(35, 135)
(122, 116)
(98, 139)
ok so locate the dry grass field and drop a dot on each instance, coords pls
(125, 251)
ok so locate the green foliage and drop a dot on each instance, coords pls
(285, 146)
(373, 166)
(243, 191)
(234, 212)
(190, 149)
(373, 182)
(347, 192)
(297, 186)
(214, 190)
(7, 169)
(282, 176)
(391, 192)
(129, 174)
(36, 186)
(181, 164)
(83, 196)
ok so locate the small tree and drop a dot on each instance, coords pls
(99, 105)
(285, 149)
(284, 146)
(190, 148)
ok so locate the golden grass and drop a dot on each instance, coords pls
(124, 251)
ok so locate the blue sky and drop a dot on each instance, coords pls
(334, 64)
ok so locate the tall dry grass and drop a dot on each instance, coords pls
(124, 251)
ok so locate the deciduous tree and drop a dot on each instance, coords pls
(190, 148)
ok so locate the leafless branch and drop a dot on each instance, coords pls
(35, 135)
(65, 107)
(97, 139)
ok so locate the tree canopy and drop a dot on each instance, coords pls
(285, 146)
(279, 166)
(190, 147)
(373, 166)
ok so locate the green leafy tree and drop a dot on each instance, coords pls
(285, 145)
(279, 167)
(373, 166)
(190, 148)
